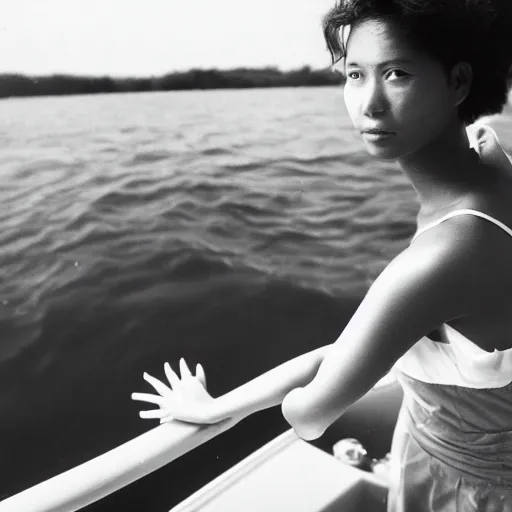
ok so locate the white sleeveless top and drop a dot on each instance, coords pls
(461, 362)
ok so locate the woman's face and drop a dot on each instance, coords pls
(392, 86)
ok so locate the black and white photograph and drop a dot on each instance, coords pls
(256, 256)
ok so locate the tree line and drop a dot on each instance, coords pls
(61, 84)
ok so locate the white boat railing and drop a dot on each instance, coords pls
(119, 467)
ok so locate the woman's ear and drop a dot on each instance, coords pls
(461, 78)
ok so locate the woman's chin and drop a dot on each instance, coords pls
(385, 154)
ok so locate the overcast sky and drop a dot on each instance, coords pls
(153, 37)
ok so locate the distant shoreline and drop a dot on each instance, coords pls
(19, 85)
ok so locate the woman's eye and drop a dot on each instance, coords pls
(398, 73)
(353, 75)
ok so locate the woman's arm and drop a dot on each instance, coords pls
(188, 400)
(435, 280)
(270, 388)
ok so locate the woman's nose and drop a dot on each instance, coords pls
(373, 101)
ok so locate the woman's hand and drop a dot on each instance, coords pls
(186, 399)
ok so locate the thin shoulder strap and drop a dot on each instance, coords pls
(462, 212)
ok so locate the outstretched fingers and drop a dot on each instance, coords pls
(200, 374)
(173, 379)
(155, 413)
(158, 385)
(177, 399)
(184, 369)
(146, 397)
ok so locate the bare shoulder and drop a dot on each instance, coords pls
(476, 250)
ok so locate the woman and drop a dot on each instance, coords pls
(417, 75)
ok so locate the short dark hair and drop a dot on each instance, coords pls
(476, 31)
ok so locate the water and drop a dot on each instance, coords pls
(235, 228)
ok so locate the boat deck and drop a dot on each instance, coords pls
(290, 474)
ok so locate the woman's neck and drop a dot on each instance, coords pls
(444, 171)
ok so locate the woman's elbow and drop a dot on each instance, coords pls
(296, 412)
